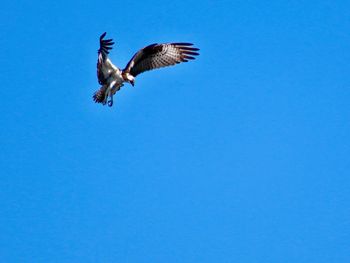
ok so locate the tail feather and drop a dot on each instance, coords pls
(100, 95)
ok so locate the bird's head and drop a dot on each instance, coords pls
(128, 78)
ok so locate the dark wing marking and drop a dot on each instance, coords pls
(160, 55)
(103, 51)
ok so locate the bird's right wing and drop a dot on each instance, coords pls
(160, 55)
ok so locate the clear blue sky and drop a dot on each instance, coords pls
(242, 155)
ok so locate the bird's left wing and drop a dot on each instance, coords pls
(103, 51)
(160, 55)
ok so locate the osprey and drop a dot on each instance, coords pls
(154, 56)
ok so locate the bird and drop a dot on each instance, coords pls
(111, 78)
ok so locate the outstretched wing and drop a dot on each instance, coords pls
(103, 51)
(160, 55)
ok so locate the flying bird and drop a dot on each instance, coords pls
(111, 78)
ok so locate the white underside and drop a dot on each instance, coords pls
(115, 79)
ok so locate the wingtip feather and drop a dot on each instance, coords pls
(182, 44)
(103, 35)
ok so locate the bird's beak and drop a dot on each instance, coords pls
(132, 82)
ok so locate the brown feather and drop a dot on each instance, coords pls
(160, 55)
(99, 95)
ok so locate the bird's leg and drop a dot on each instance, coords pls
(106, 97)
(110, 102)
(110, 93)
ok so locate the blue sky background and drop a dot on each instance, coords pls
(242, 155)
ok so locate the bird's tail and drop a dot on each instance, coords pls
(100, 95)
